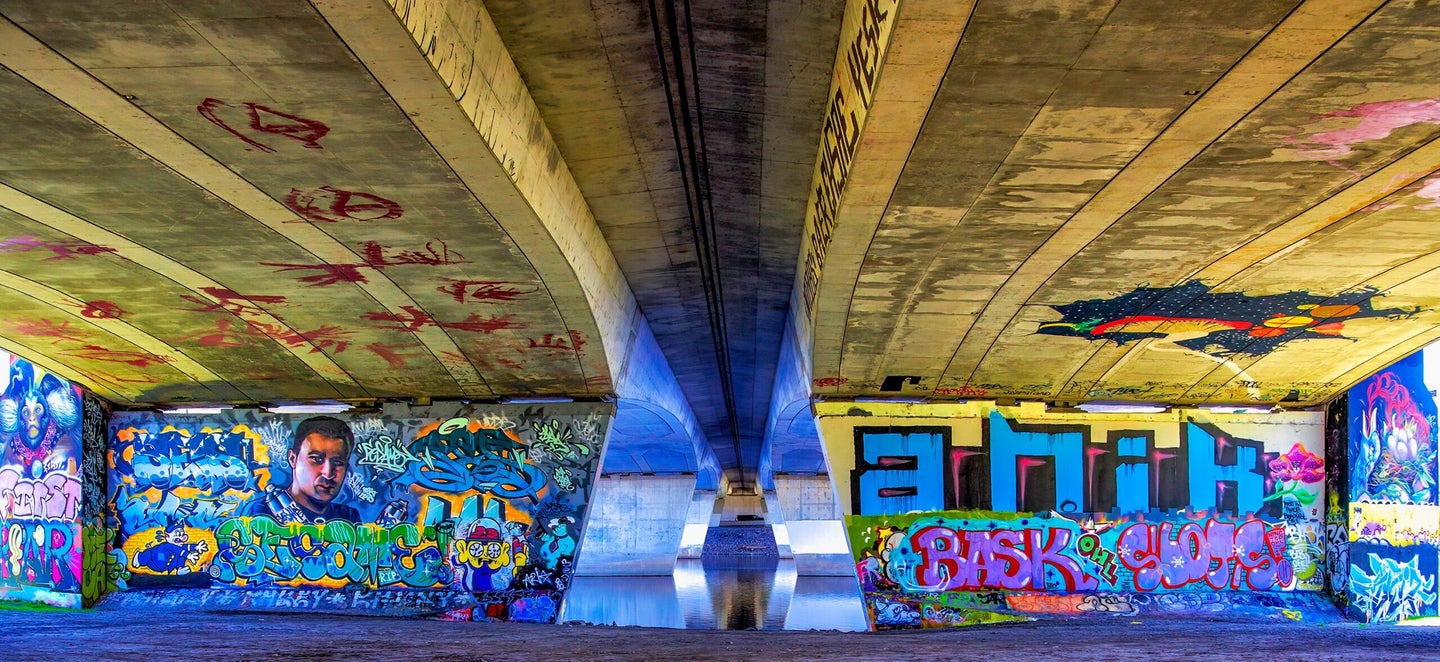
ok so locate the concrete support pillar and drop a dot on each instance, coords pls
(698, 521)
(635, 525)
(814, 525)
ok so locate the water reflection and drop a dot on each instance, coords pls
(733, 594)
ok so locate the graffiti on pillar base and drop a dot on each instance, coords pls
(1392, 583)
(40, 485)
(486, 504)
(981, 550)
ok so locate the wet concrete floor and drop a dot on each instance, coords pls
(159, 635)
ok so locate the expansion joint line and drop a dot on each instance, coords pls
(682, 94)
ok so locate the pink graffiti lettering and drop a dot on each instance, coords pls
(413, 319)
(961, 391)
(63, 250)
(266, 120)
(393, 354)
(55, 496)
(1431, 192)
(1003, 559)
(328, 204)
(1174, 555)
(554, 344)
(330, 274)
(55, 332)
(826, 382)
(230, 301)
(139, 359)
(1377, 120)
(102, 310)
(483, 291)
(226, 334)
(376, 257)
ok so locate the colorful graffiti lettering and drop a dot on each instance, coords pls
(56, 496)
(385, 452)
(1033, 467)
(40, 553)
(458, 456)
(1218, 324)
(1395, 588)
(104, 566)
(259, 551)
(985, 550)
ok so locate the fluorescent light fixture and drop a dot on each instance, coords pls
(1238, 409)
(536, 400)
(311, 408)
(212, 409)
(1121, 407)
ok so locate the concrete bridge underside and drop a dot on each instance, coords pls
(713, 212)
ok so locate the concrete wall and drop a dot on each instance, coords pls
(636, 525)
(1394, 518)
(40, 485)
(698, 520)
(949, 501)
(476, 513)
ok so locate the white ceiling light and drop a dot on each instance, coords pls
(310, 408)
(1121, 408)
(1238, 409)
(536, 400)
(209, 409)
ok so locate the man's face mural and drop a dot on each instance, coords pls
(320, 463)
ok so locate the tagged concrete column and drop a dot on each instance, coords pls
(815, 525)
(635, 526)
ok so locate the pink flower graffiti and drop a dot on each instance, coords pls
(1298, 465)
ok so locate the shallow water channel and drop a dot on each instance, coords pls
(727, 593)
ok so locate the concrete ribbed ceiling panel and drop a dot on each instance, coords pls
(1144, 200)
(754, 87)
(214, 201)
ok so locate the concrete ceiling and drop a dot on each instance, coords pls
(1069, 201)
(1144, 200)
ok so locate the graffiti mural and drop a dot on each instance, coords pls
(1392, 436)
(1218, 324)
(486, 504)
(1072, 468)
(1023, 502)
(1392, 583)
(1393, 516)
(40, 485)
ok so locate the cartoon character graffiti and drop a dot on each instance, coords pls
(1395, 461)
(486, 558)
(172, 553)
(38, 417)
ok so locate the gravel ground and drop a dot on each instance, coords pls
(108, 635)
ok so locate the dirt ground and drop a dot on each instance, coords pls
(112, 635)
